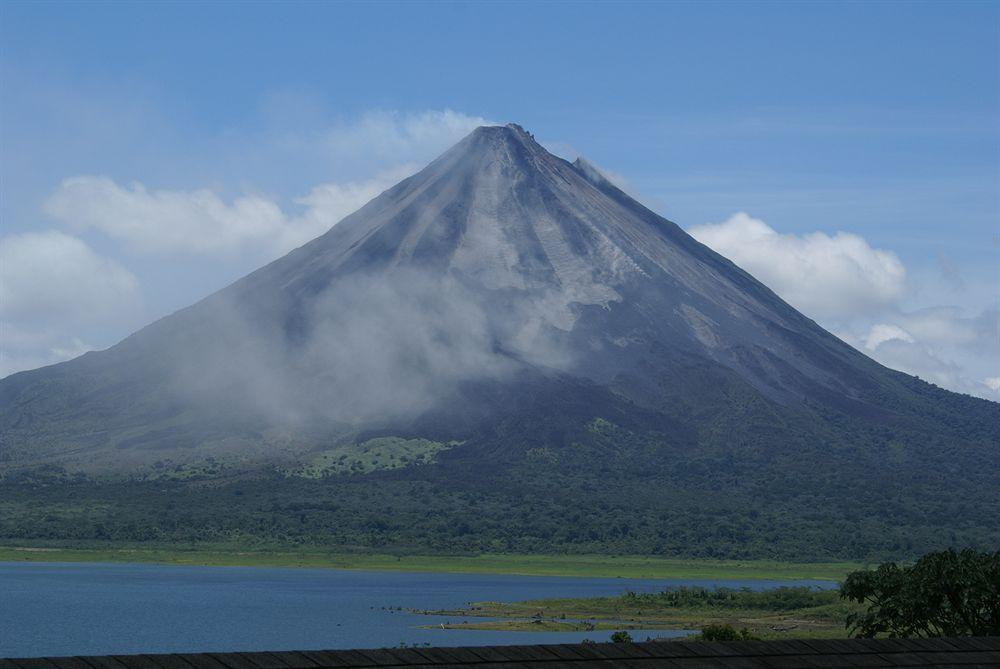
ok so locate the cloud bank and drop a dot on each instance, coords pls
(394, 136)
(941, 345)
(56, 289)
(821, 275)
(201, 222)
(52, 286)
(857, 292)
(49, 276)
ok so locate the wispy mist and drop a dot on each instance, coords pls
(367, 347)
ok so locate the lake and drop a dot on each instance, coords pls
(49, 609)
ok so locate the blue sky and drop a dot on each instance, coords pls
(201, 140)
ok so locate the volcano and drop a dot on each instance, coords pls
(504, 317)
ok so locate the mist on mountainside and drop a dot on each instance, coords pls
(498, 280)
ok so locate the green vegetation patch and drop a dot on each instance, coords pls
(382, 453)
(528, 565)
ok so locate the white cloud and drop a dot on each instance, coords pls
(942, 345)
(946, 326)
(50, 275)
(195, 220)
(950, 328)
(33, 348)
(51, 285)
(56, 293)
(856, 290)
(839, 276)
(924, 361)
(327, 204)
(409, 137)
(199, 221)
(882, 332)
(939, 344)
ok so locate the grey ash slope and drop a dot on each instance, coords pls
(500, 281)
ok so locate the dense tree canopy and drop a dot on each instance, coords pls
(947, 593)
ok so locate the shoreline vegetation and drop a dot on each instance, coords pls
(943, 594)
(780, 613)
(593, 566)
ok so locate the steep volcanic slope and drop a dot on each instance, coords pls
(504, 352)
(497, 274)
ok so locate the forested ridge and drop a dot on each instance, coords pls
(608, 490)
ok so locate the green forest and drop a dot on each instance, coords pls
(698, 508)
(755, 484)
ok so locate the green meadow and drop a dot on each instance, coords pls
(607, 566)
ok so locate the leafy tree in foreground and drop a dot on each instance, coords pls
(941, 594)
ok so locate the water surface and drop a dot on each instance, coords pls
(49, 609)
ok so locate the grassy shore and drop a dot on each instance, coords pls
(762, 626)
(528, 565)
(765, 615)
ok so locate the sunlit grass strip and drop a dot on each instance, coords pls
(626, 566)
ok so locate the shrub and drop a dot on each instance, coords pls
(725, 633)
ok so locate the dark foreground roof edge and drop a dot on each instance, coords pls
(965, 651)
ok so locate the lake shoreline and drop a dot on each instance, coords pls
(780, 613)
(597, 566)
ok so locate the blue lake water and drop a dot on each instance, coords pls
(49, 609)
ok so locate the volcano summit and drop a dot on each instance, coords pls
(502, 329)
